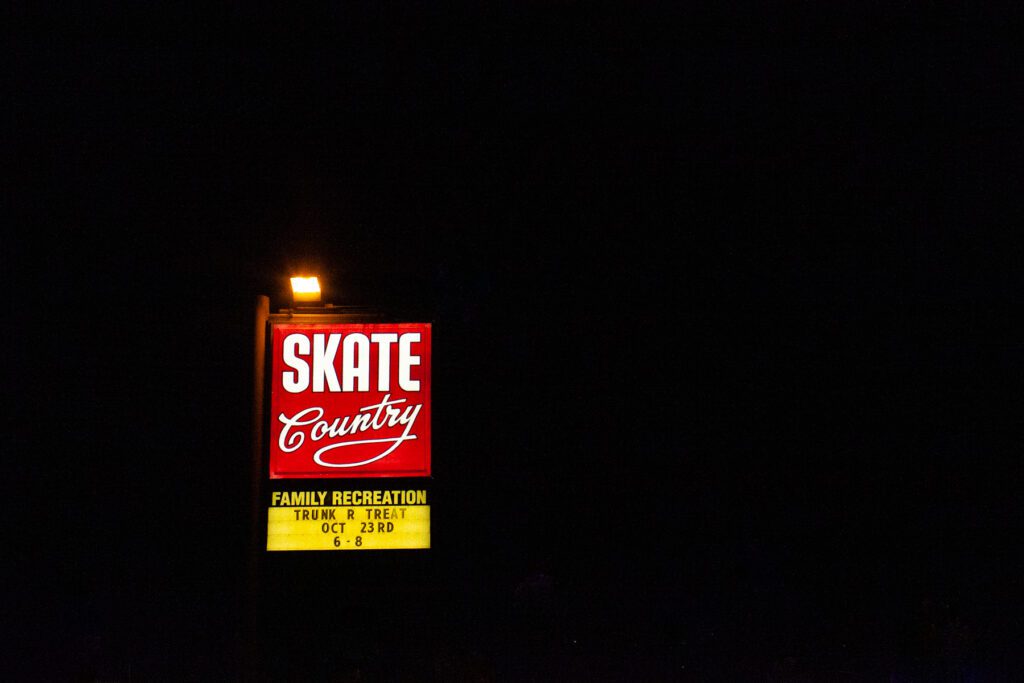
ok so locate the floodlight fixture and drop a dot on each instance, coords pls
(306, 291)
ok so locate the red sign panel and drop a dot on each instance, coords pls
(350, 400)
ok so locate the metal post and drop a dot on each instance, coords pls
(251, 649)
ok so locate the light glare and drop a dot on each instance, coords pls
(305, 289)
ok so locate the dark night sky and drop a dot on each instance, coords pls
(723, 309)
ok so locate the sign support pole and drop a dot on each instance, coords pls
(251, 649)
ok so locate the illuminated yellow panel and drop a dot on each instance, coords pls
(348, 528)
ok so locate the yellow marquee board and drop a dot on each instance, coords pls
(393, 522)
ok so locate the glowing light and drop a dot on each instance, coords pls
(305, 290)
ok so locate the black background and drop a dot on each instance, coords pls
(724, 343)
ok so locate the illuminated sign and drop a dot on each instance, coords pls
(350, 400)
(348, 520)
